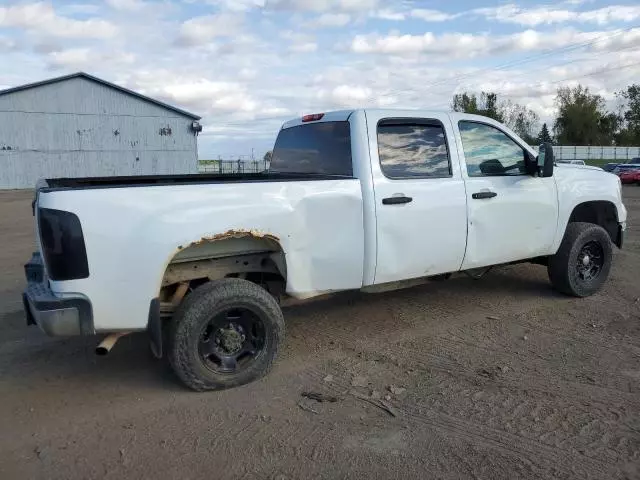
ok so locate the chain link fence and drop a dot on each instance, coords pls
(232, 166)
(613, 154)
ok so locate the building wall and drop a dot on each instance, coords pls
(79, 128)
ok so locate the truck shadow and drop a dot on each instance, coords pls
(506, 283)
(70, 364)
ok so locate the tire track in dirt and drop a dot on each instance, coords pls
(528, 451)
(543, 384)
(595, 400)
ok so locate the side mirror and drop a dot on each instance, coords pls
(545, 160)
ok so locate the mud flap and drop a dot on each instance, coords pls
(154, 328)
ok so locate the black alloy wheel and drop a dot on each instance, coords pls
(232, 340)
(590, 261)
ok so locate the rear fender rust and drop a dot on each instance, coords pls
(233, 233)
(214, 268)
(219, 260)
(228, 235)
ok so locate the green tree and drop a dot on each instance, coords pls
(582, 118)
(491, 107)
(463, 102)
(629, 133)
(544, 136)
(486, 105)
(519, 118)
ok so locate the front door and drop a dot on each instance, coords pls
(511, 215)
(419, 195)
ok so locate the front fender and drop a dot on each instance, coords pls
(580, 185)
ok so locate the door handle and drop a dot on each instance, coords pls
(483, 195)
(396, 200)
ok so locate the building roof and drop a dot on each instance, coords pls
(86, 76)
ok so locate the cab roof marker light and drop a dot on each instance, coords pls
(314, 117)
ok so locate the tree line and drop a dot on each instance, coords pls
(582, 118)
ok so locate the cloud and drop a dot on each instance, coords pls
(7, 44)
(432, 15)
(424, 14)
(306, 47)
(388, 14)
(299, 42)
(611, 14)
(323, 5)
(345, 95)
(237, 5)
(331, 20)
(42, 19)
(547, 14)
(127, 5)
(79, 9)
(513, 13)
(201, 30)
(198, 94)
(85, 58)
(459, 45)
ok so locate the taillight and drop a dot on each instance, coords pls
(314, 117)
(62, 243)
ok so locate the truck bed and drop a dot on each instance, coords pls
(197, 178)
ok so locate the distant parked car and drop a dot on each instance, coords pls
(609, 167)
(571, 162)
(630, 176)
(624, 168)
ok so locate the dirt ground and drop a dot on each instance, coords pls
(503, 378)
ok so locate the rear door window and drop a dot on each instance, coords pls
(322, 148)
(413, 149)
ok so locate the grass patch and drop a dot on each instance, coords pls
(598, 163)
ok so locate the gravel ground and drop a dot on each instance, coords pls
(498, 378)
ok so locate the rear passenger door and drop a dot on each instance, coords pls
(419, 195)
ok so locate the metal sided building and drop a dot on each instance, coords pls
(81, 126)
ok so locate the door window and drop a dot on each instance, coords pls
(413, 150)
(489, 152)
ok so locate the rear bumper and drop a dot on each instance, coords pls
(55, 316)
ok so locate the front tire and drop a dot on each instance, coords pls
(583, 261)
(225, 334)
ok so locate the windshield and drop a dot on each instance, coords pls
(315, 148)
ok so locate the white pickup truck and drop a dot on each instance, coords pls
(358, 199)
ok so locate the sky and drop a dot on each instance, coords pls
(246, 66)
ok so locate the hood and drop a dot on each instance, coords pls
(582, 175)
(573, 165)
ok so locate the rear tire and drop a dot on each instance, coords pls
(583, 261)
(225, 334)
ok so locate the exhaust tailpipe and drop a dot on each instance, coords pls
(109, 341)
